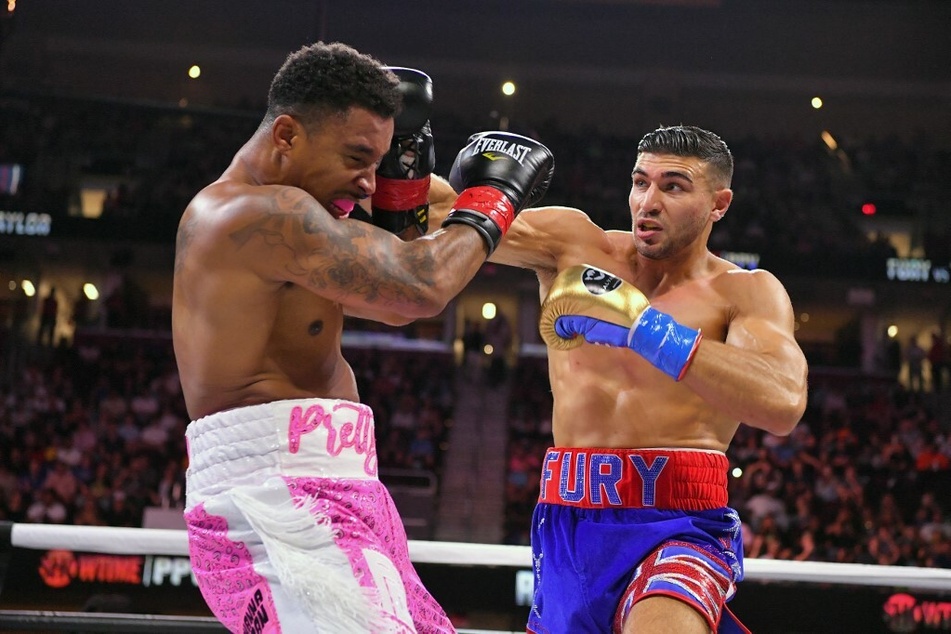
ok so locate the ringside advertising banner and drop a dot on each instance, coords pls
(477, 596)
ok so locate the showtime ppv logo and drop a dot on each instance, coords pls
(60, 568)
(904, 613)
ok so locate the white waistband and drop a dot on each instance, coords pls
(318, 438)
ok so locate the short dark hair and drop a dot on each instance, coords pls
(691, 141)
(322, 79)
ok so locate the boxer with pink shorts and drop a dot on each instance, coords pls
(290, 529)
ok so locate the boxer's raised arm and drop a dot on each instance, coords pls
(542, 237)
(400, 203)
(757, 376)
(284, 235)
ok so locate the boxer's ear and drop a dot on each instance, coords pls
(721, 202)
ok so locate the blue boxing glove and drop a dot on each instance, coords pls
(586, 304)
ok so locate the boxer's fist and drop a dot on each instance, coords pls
(401, 199)
(586, 304)
(585, 290)
(416, 87)
(498, 174)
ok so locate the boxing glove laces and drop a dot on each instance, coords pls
(401, 199)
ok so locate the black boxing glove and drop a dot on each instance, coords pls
(401, 199)
(498, 175)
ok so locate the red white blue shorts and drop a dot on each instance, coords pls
(614, 526)
(290, 529)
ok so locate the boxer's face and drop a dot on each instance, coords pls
(335, 160)
(673, 204)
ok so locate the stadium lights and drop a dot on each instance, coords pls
(829, 140)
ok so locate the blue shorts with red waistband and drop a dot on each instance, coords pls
(614, 526)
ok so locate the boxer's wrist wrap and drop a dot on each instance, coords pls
(485, 209)
(668, 345)
(400, 203)
(395, 193)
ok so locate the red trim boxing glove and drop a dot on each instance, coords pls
(498, 175)
(401, 199)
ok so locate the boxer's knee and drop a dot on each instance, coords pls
(660, 614)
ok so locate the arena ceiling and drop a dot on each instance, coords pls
(588, 49)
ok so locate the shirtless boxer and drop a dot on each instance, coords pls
(289, 526)
(632, 532)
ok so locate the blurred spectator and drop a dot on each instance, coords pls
(62, 481)
(498, 335)
(473, 341)
(120, 512)
(88, 513)
(82, 310)
(765, 509)
(13, 506)
(170, 492)
(49, 312)
(405, 417)
(915, 356)
(930, 458)
(889, 356)
(422, 450)
(46, 509)
(938, 358)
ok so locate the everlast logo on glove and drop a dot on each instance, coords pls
(491, 144)
(598, 282)
(492, 191)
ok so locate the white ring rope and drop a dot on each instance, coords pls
(153, 541)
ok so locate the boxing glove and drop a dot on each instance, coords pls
(401, 199)
(498, 174)
(586, 304)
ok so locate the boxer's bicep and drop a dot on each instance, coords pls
(541, 237)
(764, 324)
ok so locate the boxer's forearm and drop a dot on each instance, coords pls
(766, 391)
(441, 198)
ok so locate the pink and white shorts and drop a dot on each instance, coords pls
(290, 529)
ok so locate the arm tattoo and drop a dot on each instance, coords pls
(358, 263)
(183, 239)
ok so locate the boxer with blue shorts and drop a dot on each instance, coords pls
(615, 526)
(658, 350)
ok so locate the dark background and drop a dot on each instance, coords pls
(737, 66)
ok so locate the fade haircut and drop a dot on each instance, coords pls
(691, 141)
(325, 79)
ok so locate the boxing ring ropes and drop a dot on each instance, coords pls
(139, 541)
